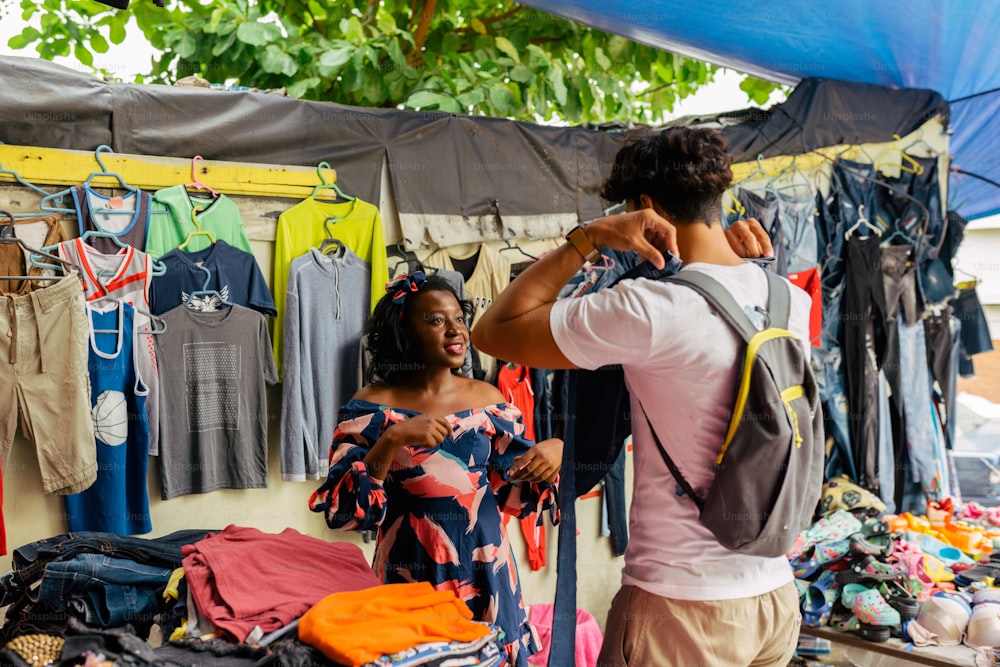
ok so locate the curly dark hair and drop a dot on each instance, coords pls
(685, 170)
(388, 342)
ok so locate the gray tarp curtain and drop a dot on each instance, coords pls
(455, 179)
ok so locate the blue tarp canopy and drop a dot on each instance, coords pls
(949, 46)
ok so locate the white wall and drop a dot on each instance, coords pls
(30, 515)
(979, 255)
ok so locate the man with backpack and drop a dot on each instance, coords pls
(696, 590)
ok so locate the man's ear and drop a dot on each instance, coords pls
(645, 201)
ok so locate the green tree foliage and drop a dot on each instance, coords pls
(463, 56)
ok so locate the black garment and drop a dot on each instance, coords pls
(899, 280)
(614, 488)
(863, 341)
(952, 239)
(940, 347)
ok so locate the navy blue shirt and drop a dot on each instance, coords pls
(231, 272)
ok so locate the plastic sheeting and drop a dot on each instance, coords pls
(455, 179)
(949, 47)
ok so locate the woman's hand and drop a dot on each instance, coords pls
(749, 239)
(419, 431)
(541, 463)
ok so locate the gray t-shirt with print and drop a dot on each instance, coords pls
(213, 416)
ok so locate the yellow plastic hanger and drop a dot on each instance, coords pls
(907, 163)
(198, 230)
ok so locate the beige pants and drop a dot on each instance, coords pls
(645, 630)
(43, 376)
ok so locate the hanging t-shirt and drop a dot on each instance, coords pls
(213, 369)
(219, 215)
(126, 216)
(231, 272)
(117, 502)
(488, 279)
(124, 275)
(358, 226)
(325, 316)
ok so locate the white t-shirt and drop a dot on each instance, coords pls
(681, 361)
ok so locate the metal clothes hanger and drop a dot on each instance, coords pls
(327, 186)
(862, 220)
(195, 183)
(8, 238)
(197, 232)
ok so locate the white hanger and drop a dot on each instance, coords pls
(862, 220)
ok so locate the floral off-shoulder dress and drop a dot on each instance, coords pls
(438, 510)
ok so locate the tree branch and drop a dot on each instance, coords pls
(370, 11)
(493, 19)
(420, 36)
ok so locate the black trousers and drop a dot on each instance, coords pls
(864, 344)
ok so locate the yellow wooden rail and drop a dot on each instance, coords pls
(51, 166)
(774, 165)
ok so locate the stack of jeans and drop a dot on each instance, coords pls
(103, 579)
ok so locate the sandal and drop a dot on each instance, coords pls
(817, 604)
(817, 556)
(875, 616)
(875, 544)
(869, 567)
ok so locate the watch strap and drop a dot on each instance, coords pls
(578, 238)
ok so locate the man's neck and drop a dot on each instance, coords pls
(699, 242)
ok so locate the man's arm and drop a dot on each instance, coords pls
(516, 326)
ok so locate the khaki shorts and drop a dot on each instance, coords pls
(645, 630)
(44, 343)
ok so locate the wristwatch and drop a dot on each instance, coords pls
(578, 238)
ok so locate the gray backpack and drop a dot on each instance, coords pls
(769, 471)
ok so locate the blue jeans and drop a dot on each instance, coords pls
(109, 591)
(829, 373)
(798, 227)
(916, 391)
(886, 451)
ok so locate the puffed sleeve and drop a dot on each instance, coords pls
(507, 441)
(350, 499)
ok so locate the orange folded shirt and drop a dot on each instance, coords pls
(358, 627)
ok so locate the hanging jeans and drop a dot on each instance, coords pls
(863, 341)
(829, 372)
(765, 209)
(916, 390)
(886, 450)
(941, 333)
(797, 216)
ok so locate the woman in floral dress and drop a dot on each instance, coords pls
(431, 458)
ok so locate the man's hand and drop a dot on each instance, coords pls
(642, 230)
(749, 239)
(541, 463)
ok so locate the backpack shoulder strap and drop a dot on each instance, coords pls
(719, 298)
(779, 300)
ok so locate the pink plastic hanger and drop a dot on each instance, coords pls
(195, 183)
